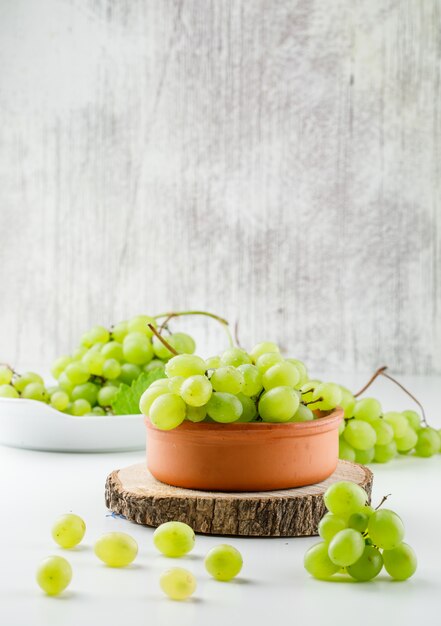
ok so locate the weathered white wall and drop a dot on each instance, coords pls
(275, 162)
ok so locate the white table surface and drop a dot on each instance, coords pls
(273, 587)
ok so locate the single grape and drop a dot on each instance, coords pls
(196, 413)
(213, 362)
(35, 391)
(97, 334)
(54, 575)
(8, 391)
(384, 432)
(249, 409)
(367, 409)
(386, 529)
(113, 350)
(280, 374)
(65, 383)
(167, 411)
(130, 372)
(80, 407)
(346, 547)
(224, 407)
(235, 357)
(326, 396)
(137, 348)
(384, 454)
(87, 391)
(360, 435)
(398, 422)
(178, 583)
(59, 365)
(183, 343)
(68, 530)
(153, 365)
(227, 379)
(140, 324)
(267, 360)
(77, 373)
(303, 414)
(223, 562)
(93, 361)
(174, 539)
(60, 400)
(318, 563)
(408, 441)
(330, 525)
(111, 369)
(278, 404)
(301, 368)
(359, 521)
(345, 451)
(252, 380)
(308, 388)
(26, 379)
(5, 375)
(365, 456)
(106, 395)
(196, 390)
(347, 402)
(119, 331)
(97, 410)
(153, 392)
(185, 365)
(400, 562)
(263, 348)
(413, 418)
(368, 566)
(116, 549)
(344, 498)
(428, 442)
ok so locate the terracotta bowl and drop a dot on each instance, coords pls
(244, 457)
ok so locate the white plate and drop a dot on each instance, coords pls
(37, 426)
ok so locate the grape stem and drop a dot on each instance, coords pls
(236, 334)
(169, 315)
(162, 340)
(381, 371)
(382, 501)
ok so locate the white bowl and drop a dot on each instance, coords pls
(37, 426)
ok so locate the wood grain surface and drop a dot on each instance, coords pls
(275, 162)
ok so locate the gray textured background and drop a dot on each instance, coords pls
(276, 162)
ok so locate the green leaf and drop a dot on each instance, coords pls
(127, 399)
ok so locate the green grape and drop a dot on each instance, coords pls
(263, 348)
(386, 529)
(252, 379)
(303, 414)
(330, 525)
(77, 373)
(130, 372)
(111, 369)
(60, 400)
(78, 353)
(116, 549)
(167, 411)
(408, 441)
(87, 391)
(177, 583)
(341, 427)
(97, 334)
(119, 331)
(59, 365)
(97, 410)
(249, 409)
(137, 348)
(182, 343)
(365, 456)
(278, 404)
(8, 391)
(174, 539)
(317, 562)
(307, 389)
(80, 407)
(346, 547)
(223, 562)
(281, 374)
(384, 432)
(153, 365)
(54, 575)
(360, 435)
(344, 498)
(106, 395)
(359, 521)
(196, 413)
(367, 409)
(266, 361)
(398, 422)
(35, 391)
(326, 396)
(94, 362)
(227, 379)
(196, 390)
(5, 375)
(347, 402)
(384, 454)
(301, 368)
(224, 407)
(213, 362)
(413, 418)
(161, 351)
(345, 451)
(175, 383)
(65, 383)
(368, 566)
(140, 324)
(153, 392)
(68, 530)
(113, 350)
(428, 442)
(185, 365)
(97, 347)
(235, 357)
(400, 562)
(27, 378)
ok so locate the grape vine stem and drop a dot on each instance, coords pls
(162, 340)
(170, 314)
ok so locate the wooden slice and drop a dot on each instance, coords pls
(134, 493)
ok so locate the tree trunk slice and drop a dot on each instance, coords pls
(134, 493)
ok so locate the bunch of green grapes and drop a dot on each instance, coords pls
(358, 540)
(89, 378)
(237, 386)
